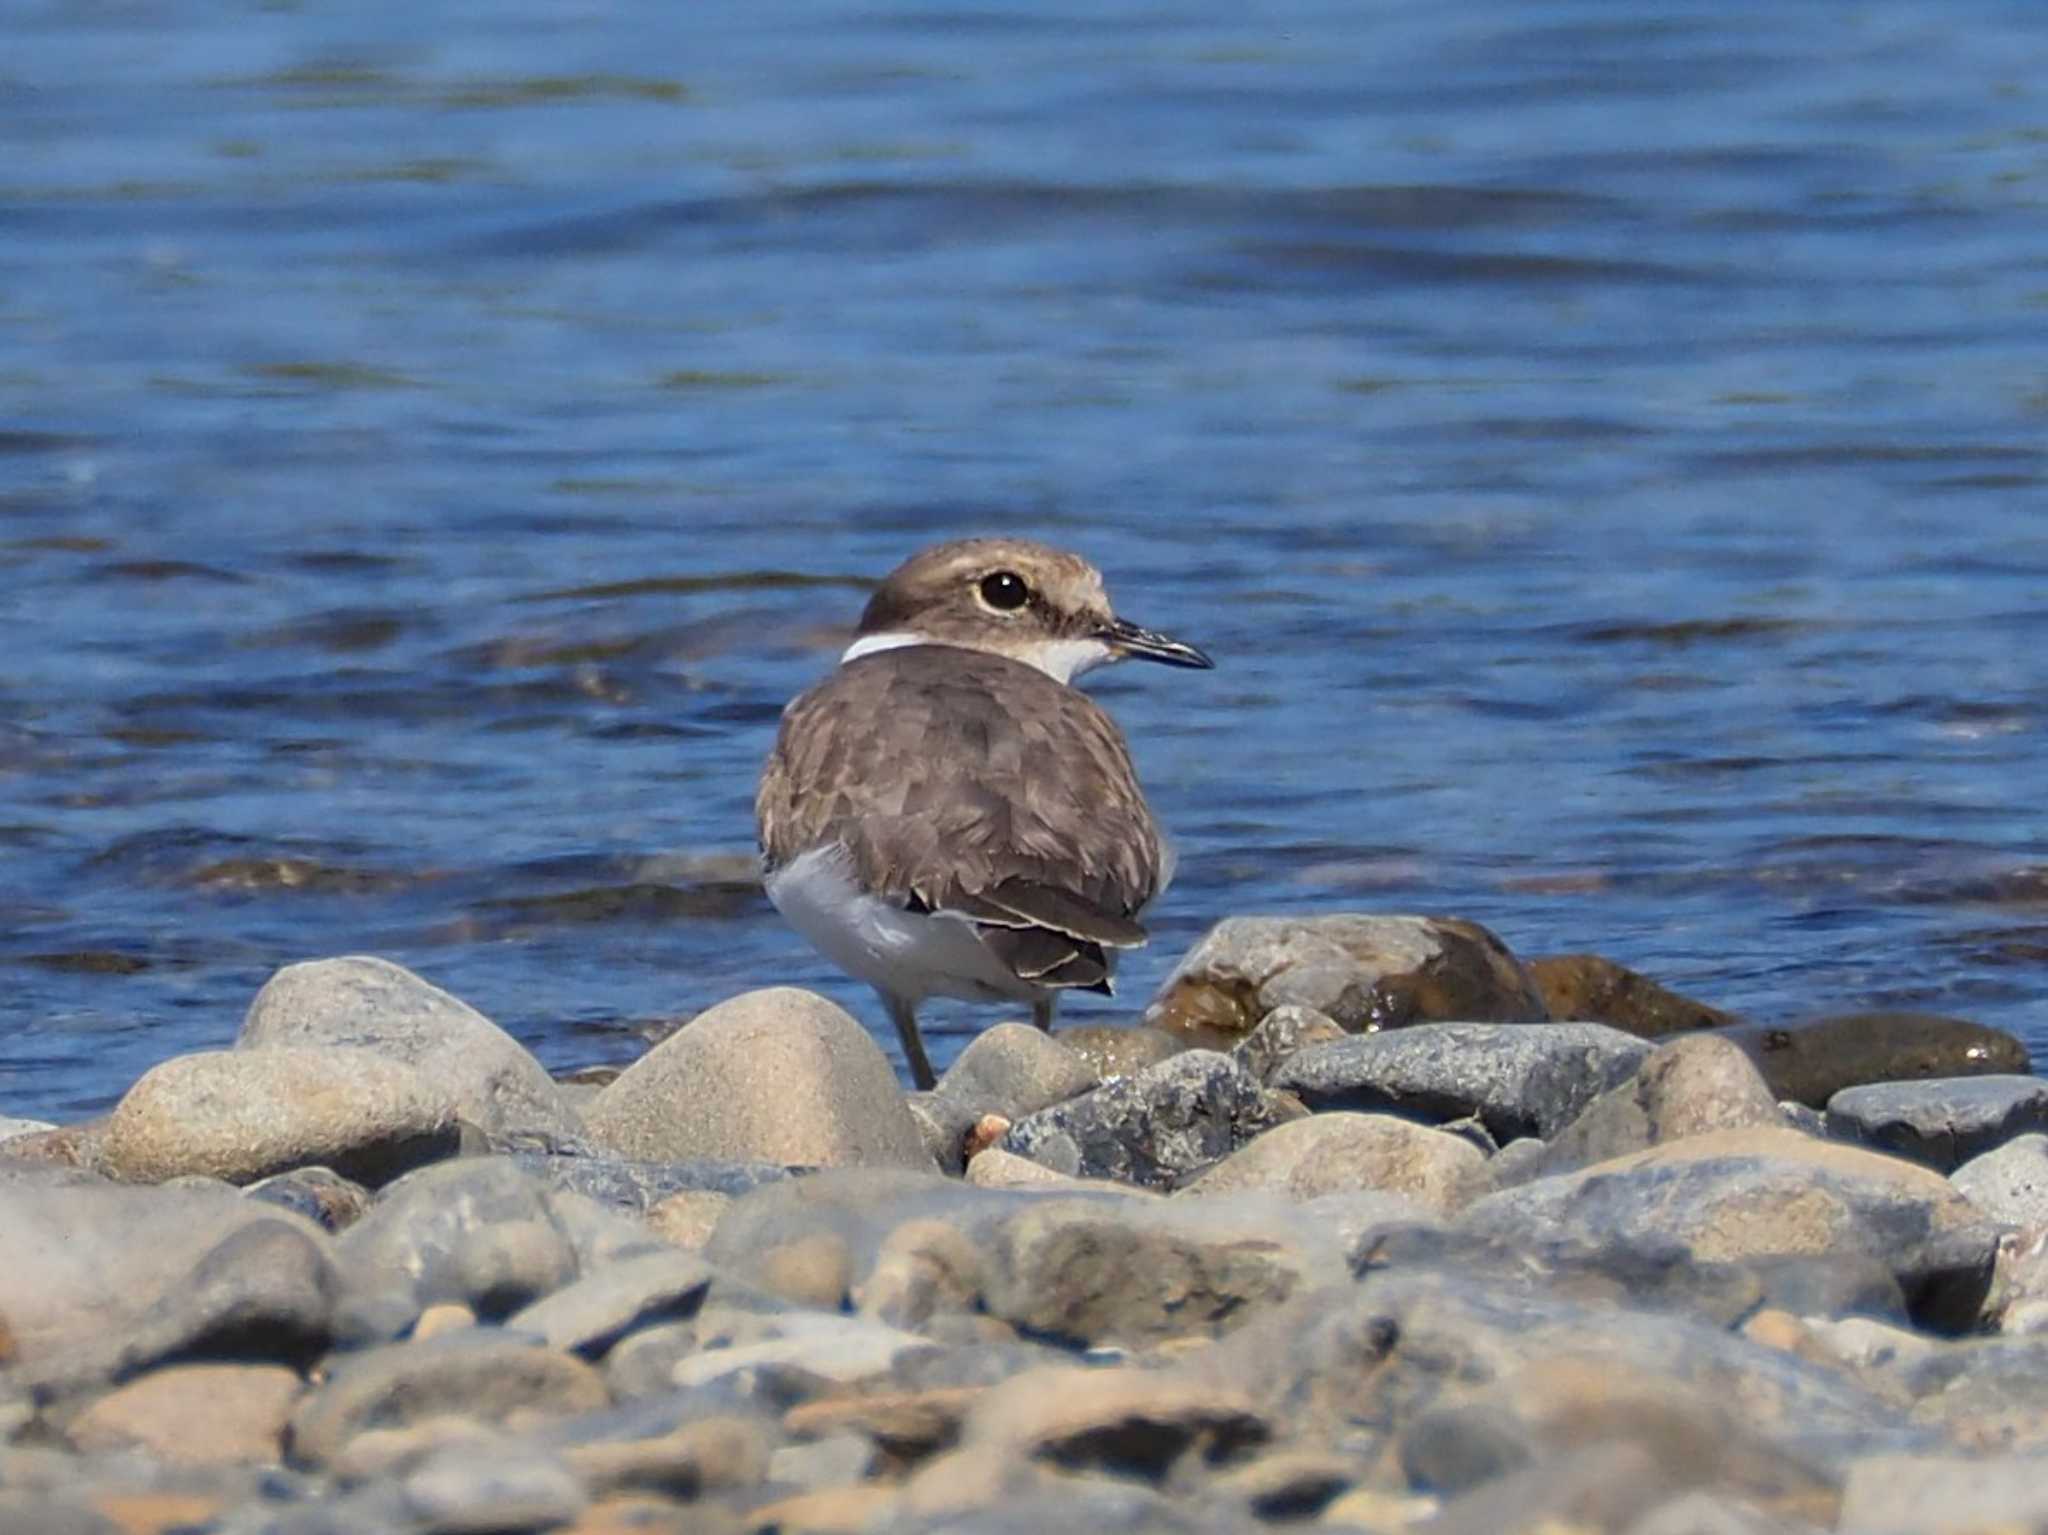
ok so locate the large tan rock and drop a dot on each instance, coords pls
(241, 1115)
(1344, 1153)
(371, 1003)
(1365, 971)
(195, 1414)
(780, 1075)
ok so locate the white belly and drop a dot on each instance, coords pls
(909, 955)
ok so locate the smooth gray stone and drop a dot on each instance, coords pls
(100, 1280)
(595, 1312)
(481, 1373)
(1940, 1122)
(1517, 1079)
(2009, 1183)
(478, 1231)
(1155, 1129)
(1011, 1070)
(363, 1001)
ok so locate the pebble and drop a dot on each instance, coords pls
(1347, 1153)
(1155, 1129)
(779, 1075)
(1364, 971)
(242, 1115)
(195, 1414)
(375, 1005)
(1940, 1122)
(1515, 1080)
(1671, 1314)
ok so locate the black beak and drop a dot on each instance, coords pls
(1127, 640)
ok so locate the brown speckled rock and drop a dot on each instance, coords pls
(241, 1115)
(1345, 1153)
(1364, 971)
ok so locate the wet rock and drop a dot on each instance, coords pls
(1342, 1153)
(376, 1005)
(1087, 1272)
(1282, 1034)
(1366, 972)
(1115, 1051)
(595, 1312)
(2009, 1183)
(101, 1282)
(244, 1115)
(320, 1194)
(1940, 1122)
(195, 1414)
(772, 1076)
(482, 1375)
(1810, 1061)
(1516, 1080)
(479, 1232)
(1942, 1495)
(1121, 1422)
(1686, 1087)
(1736, 1196)
(1154, 1129)
(1586, 988)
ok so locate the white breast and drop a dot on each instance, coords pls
(909, 955)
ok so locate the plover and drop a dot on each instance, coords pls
(945, 815)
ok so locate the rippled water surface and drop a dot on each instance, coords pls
(1604, 447)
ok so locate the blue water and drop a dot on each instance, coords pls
(1603, 447)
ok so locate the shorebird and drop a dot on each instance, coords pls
(946, 815)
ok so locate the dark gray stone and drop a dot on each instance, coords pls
(1517, 1079)
(1940, 1122)
(1155, 1129)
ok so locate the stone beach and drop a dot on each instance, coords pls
(1372, 1226)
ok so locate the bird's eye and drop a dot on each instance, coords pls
(1005, 591)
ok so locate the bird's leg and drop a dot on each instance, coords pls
(1041, 1012)
(904, 1016)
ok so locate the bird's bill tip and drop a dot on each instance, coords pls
(1128, 641)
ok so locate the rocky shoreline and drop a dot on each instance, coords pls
(1370, 1225)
